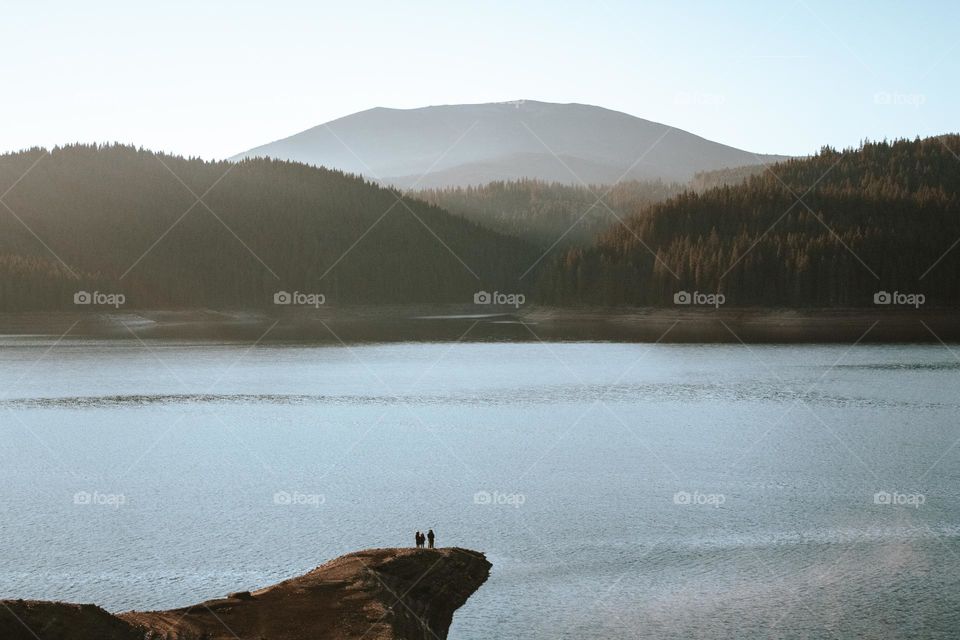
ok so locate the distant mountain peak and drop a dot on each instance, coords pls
(463, 144)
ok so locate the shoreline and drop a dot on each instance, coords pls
(351, 597)
(471, 323)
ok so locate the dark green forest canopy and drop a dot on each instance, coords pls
(118, 219)
(829, 230)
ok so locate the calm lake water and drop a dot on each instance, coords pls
(621, 491)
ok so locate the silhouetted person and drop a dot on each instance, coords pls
(419, 538)
(430, 538)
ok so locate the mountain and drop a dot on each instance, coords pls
(115, 219)
(461, 145)
(882, 220)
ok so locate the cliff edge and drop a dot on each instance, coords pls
(377, 594)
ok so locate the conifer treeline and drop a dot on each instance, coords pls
(546, 213)
(879, 217)
(106, 211)
(704, 180)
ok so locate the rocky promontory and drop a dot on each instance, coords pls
(377, 594)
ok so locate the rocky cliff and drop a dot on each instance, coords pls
(378, 594)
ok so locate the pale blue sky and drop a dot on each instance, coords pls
(212, 79)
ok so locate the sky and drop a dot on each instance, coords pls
(212, 79)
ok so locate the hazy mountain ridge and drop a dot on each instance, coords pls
(550, 214)
(562, 169)
(461, 145)
(728, 176)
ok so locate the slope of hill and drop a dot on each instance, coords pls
(549, 214)
(460, 145)
(730, 176)
(543, 167)
(881, 218)
(119, 220)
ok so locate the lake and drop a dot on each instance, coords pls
(620, 490)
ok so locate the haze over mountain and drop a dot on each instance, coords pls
(473, 144)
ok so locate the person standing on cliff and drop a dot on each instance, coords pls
(419, 539)
(430, 538)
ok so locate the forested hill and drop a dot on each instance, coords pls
(705, 180)
(883, 217)
(116, 219)
(549, 214)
